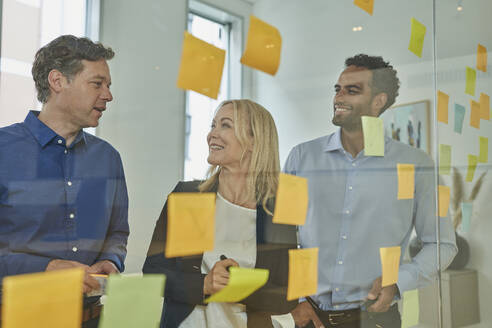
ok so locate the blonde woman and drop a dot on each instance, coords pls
(243, 153)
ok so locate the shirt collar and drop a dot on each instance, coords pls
(43, 133)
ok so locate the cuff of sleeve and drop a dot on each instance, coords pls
(114, 259)
(405, 281)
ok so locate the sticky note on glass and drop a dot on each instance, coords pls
(291, 203)
(481, 58)
(263, 47)
(444, 159)
(444, 195)
(417, 37)
(406, 181)
(373, 130)
(201, 66)
(483, 156)
(475, 114)
(484, 106)
(46, 299)
(410, 315)
(133, 301)
(442, 107)
(190, 223)
(366, 5)
(459, 116)
(242, 283)
(472, 165)
(390, 263)
(471, 80)
(303, 273)
(466, 213)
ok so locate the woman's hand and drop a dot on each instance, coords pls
(218, 277)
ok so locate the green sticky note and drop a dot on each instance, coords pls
(471, 80)
(466, 213)
(483, 156)
(133, 301)
(242, 283)
(444, 159)
(459, 116)
(410, 315)
(417, 37)
(373, 130)
(472, 165)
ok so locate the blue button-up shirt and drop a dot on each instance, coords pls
(59, 202)
(354, 211)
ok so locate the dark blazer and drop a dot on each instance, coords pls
(184, 283)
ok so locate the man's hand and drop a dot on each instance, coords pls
(218, 277)
(103, 267)
(89, 282)
(383, 296)
(304, 313)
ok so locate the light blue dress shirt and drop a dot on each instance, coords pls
(354, 211)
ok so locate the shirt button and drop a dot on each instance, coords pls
(337, 289)
(74, 249)
(347, 211)
(340, 262)
(66, 151)
(72, 215)
(344, 237)
(60, 141)
(69, 183)
(350, 188)
(353, 164)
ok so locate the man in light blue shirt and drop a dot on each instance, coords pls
(354, 209)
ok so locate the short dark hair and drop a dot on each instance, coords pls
(64, 54)
(384, 77)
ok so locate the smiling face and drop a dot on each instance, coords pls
(224, 147)
(354, 98)
(84, 97)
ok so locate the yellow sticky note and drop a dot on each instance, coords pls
(444, 159)
(291, 203)
(484, 106)
(472, 165)
(483, 156)
(481, 58)
(43, 300)
(442, 107)
(390, 263)
(444, 195)
(471, 81)
(406, 181)
(263, 47)
(475, 114)
(373, 130)
(201, 66)
(242, 283)
(410, 315)
(417, 37)
(366, 5)
(190, 223)
(303, 273)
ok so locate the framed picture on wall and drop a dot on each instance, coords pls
(410, 124)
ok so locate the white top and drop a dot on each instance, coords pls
(235, 237)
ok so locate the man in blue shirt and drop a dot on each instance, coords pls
(63, 197)
(354, 209)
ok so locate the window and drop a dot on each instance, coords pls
(221, 30)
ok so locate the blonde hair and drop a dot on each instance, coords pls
(253, 120)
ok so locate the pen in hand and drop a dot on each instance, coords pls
(222, 258)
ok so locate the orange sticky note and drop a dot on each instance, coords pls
(472, 165)
(366, 5)
(442, 107)
(444, 195)
(483, 156)
(475, 114)
(190, 223)
(291, 203)
(484, 106)
(417, 37)
(44, 300)
(390, 263)
(406, 181)
(263, 47)
(201, 66)
(303, 273)
(471, 81)
(481, 58)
